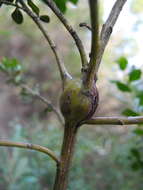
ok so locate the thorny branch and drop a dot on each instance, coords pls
(32, 147)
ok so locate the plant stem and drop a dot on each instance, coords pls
(70, 29)
(93, 5)
(63, 71)
(61, 179)
(118, 120)
(30, 146)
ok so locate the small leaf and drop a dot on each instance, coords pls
(138, 131)
(123, 62)
(45, 18)
(34, 8)
(17, 16)
(129, 112)
(123, 87)
(48, 109)
(135, 74)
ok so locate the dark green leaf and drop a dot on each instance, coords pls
(121, 86)
(138, 131)
(123, 62)
(34, 8)
(129, 112)
(11, 66)
(17, 16)
(135, 153)
(74, 1)
(140, 96)
(135, 74)
(45, 18)
(135, 166)
(61, 5)
(48, 109)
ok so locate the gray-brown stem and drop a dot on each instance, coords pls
(61, 179)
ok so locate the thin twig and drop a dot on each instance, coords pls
(63, 72)
(93, 4)
(70, 29)
(83, 24)
(30, 146)
(44, 100)
(12, 4)
(115, 120)
(108, 28)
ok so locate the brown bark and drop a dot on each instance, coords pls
(61, 179)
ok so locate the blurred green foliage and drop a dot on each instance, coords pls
(134, 79)
(94, 162)
(137, 6)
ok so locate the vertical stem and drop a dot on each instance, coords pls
(61, 179)
(93, 5)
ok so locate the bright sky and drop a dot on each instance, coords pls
(125, 24)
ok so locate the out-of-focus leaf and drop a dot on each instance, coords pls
(129, 112)
(138, 131)
(135, 153)
(135, 74)
(140, 96)
(62, 4)
(11, 65)
(45, 18)
(121, 86)
(135, 166)
(17, 16)
(123, 62)
(137, 6)
(74, 1)
(34, 8)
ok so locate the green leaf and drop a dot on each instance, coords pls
(48, 109)
(11, 66)
(74, 1)
(45, 18)
(135, 74)
(34, 8)
(123, 62)
(129, 112)
(122, 87)
(135, 153)
(140, 96)
(138, 131)
(17, 16)
(61, 5)
(135, 166)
